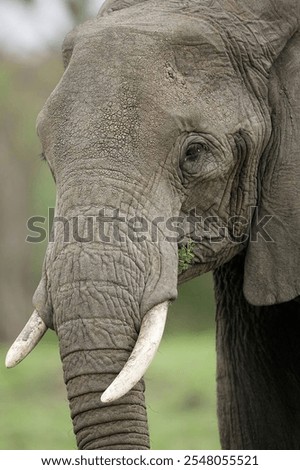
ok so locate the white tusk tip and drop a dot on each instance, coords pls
(29, 337)
(10, 361)
(13, 357)
(112, 394)
(106, 397)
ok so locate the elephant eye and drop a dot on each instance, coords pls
(194, 158)
(195, 151)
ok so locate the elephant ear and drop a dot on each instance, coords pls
(272, 266)
(113, 5)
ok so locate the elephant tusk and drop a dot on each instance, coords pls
(150, 335)
(29, 337)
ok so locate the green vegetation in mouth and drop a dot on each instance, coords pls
(186, 256)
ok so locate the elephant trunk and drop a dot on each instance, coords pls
(97, 320)
(88, 372)
(102, 296)
(121, 426)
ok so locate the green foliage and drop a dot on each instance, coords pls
(180, 397)
(185, 256)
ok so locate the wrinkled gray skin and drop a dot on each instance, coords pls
(142, 81)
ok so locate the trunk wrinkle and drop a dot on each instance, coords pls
(105, 444)
(76, 351)
(129, 421)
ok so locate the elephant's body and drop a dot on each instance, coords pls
(258, 370)
(179, 108)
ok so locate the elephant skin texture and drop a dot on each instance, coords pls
(178, 117)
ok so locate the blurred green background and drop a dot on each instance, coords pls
(33, 405)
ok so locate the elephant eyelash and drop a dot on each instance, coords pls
(42, 156)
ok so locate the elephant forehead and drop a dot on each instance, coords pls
(115, 72)
(141, 40)
(109, 75)
(160, 22)
(138, 44)
(168, 65)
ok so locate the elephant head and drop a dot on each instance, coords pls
(170, 118)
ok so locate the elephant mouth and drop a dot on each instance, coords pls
(150, 335)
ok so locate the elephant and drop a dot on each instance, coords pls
(175, 114)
